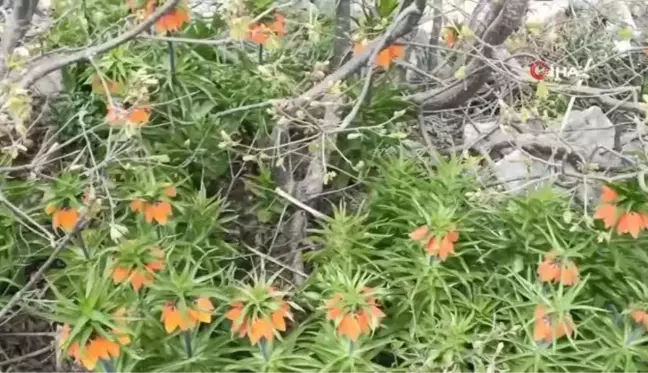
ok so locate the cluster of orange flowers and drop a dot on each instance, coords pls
(97, 348)
(65, 218)
(555, 268)
(386, 57)
(260, 33)
(173, 318)
(259, 327)
(436, 246)
(549, 326)
(158, 211)
(172, 21)
(139, 277)
(360, 320)
(631, 222)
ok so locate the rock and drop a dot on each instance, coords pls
(518, 173)
(590, 133)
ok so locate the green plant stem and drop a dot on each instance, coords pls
(84, 248)
(108, 365)
(351, 347)
(263, 347)
(171, 53)
(187, 341)
(260, 54)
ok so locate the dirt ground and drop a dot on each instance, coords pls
(27, 344)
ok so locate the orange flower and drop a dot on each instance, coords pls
(96, 349)
(279, 25)
(171, 21)
(547, 326)
(640, 317)
(608, 214)
(158, 211)
(363, 320)
(65, 218)
(608, 195)
(555, 269)
(261, 328)
(238, 319)
(258, 327)
(203, 311)
(138, 116)
(631, 222)
(386, 56)
(138, 205)
(420, 234)
(139, 277)
(174, 319)
(259, 33)
(443, 246)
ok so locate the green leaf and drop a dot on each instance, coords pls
(542, 92)
(625, 33)
(386, 7)
(460, 74)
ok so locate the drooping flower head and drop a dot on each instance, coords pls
(613, 215)
(639, 315)
(556, 268)
(65, 218)
(354, 314)
(174, 316)
(260, 313)
(97, 347)
(549, 326)
(261, 32)
(385, 57)
(137, 263)
(158, 209)
(436, 245)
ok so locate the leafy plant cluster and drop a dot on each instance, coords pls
(430, 273)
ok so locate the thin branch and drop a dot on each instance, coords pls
(41, 70)
(300, 204)
(37, 276)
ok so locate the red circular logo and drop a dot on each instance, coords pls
(538, 70)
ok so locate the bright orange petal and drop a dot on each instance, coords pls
(608, 214)
(397, 52)
(548, 271)
(433, 246)
(446, 248)
(278, 321)
(632, 223)
(349, 327)
(608, 195)
(138, 116)
(569, 275)
(279, 25)
(120, 274)
(140, 278)
(384, 59)
(363, 323)
(138, 205)
(420, 233)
